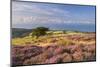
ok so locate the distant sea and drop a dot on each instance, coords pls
(75, 27)
(61, 26)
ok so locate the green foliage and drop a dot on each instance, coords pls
(39, 31)
(64, 31)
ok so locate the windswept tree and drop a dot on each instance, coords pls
(64, 31)
(39, 31)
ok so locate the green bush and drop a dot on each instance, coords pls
(39, 31)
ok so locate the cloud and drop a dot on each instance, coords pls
(36, 13)
(22, 8)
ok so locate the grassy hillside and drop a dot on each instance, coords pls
(57, 37)
(54, 47)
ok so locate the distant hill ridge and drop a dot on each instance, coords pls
(20, 32)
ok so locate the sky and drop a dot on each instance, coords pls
(31, 14)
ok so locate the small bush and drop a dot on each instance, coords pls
(66, 57)
(77, 56)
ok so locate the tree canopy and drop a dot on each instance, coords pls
(39, 31)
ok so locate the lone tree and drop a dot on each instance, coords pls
(64, 31)
(39, 31)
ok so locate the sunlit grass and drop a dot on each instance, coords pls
(56, 38)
